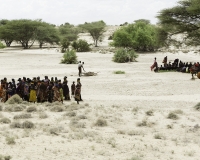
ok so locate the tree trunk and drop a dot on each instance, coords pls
(8, 43)
(95, 43)
(41, 44)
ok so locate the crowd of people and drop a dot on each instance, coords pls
(176, 65)
(40, 90)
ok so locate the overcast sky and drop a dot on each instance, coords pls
(113, 12)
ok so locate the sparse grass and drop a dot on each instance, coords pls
(15, 124)
(10, 140)
(135, 110)
(135, 158)
(134, 133)
(10, 108)
(100, 122)
(14, 99)
(119, 72)
(22, 116)
(144, 123)
(70, 114)
(190, 153)
(197, 106)
(5, 120)
(178, 111)
(158, 136)
(149, 113)
(31, 109)
(43, 115)
(121, 132)
(5, 157)
(74, 123)
(173, 116)
(57, 108)
(27, 124)
(82, 117)
(55, 130)
(18, 108)
(112, 142)
(170, 126)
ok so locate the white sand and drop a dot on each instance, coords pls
(121, 100)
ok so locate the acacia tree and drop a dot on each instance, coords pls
(47, 33)
(6, 33)
(183, 18)
(27, 32)
(140, 36)
(96, 30)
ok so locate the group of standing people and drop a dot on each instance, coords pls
(37, 90)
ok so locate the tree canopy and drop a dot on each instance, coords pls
(96, 30)
(140, 36)
(183, 18)
(27, 32)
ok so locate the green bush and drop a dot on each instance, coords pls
(119, 72)
(123, 55)
(2, 45)
(81, 46)
(69, 57)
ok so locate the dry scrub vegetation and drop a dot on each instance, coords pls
(103, 131)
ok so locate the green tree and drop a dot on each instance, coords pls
(6, 32)
(64, 45)
(183, 18)
(47, 33)
(68, 32)
(96, 30)
(140, 36)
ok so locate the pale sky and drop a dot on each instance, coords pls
(113, 12)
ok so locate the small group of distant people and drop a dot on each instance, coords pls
(37, 90)
(176, 65)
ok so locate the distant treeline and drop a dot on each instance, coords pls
(141, 35)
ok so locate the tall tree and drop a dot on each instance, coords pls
(140, 36)
(183, 18)
(96, 30)
(6, 32)
(47, 33)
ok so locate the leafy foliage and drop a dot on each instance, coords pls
(64, 45)
(140, 36)
(2, 46)
(183, 18)
(69, 57)
(96, 30)
(27, 32)
(123, 55)
(81, 46)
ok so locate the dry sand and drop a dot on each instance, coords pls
(121, 100)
